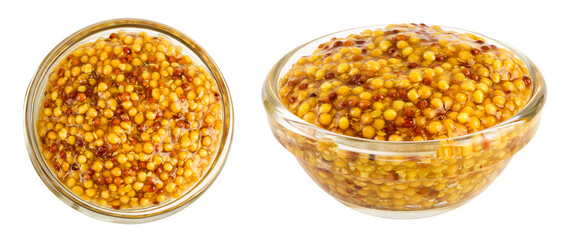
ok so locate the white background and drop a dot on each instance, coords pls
(262, 192)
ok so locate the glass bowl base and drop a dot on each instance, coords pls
(404, 214)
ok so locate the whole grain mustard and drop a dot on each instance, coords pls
(129, 121)
(407, 82)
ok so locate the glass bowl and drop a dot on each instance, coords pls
(424, 178)
(33, 104)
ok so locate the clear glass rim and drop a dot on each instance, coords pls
(137, 215)
(278, 111)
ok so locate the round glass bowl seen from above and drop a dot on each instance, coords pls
(33, 104)
(445, 173)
